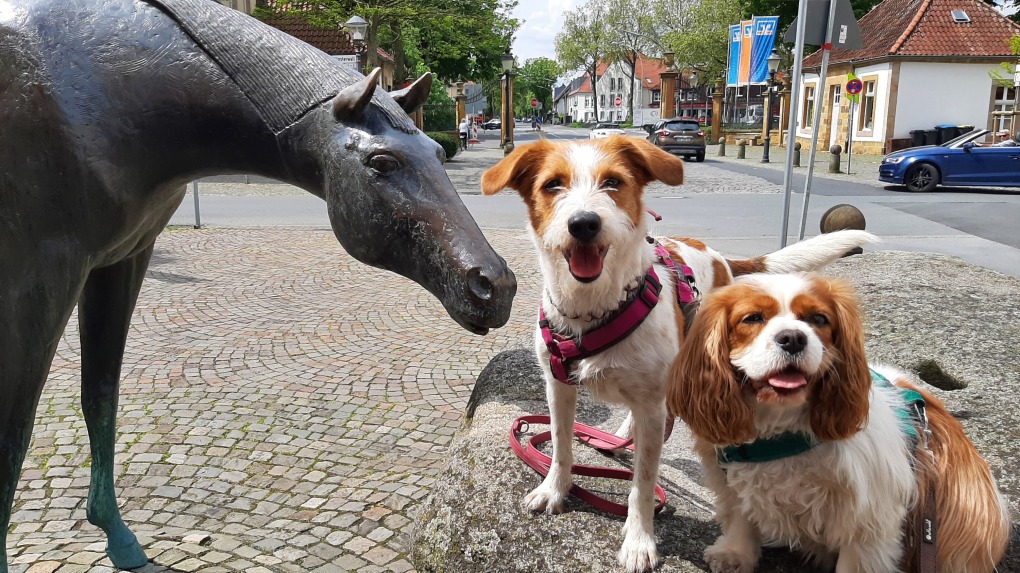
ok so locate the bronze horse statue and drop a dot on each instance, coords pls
(108, 108)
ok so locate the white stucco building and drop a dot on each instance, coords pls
(924, 63)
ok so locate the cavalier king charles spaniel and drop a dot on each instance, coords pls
(805, 445)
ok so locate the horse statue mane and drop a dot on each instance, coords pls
(269, 70)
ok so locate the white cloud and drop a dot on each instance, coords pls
(543, 19)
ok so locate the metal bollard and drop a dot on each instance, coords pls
(722, 147)
(834, 159)
(741, 148)
(796, 154)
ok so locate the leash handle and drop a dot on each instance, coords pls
(530, 454)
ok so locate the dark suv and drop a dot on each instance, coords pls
(679, 137)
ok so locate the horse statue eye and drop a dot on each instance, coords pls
(383, 163)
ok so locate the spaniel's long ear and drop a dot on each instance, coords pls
(839, 403)
(517, 170)
(652, 163)
(703, 388)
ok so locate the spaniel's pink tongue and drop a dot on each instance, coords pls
(789, 380)
(585, 262)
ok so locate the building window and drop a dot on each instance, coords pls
(809, 107)
(602, 100)
(587, 101)
(868, 107)
(1005, 99)
(656, 95)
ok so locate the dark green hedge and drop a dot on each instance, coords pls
(449, 143)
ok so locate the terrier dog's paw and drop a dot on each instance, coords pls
(637, 554)
(722, 559)
(545, 498)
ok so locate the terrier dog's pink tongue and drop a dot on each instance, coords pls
(585, 262)
(788, 379)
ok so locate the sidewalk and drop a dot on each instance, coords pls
(862, 168)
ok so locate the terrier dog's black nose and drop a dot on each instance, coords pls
(584, 225)
(791, 341)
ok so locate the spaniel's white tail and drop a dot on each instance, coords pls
(814, 253)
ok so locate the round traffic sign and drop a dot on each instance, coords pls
(854, 87)
(618, 101)
(534, 102)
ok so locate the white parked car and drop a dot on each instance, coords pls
(604, 130)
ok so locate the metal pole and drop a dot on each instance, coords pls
(791, 138)
(815, 128)
(194, 193)
(768, 119)
(850, 138)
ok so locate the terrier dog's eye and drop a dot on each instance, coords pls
(610, 183)
(753, 318)
(818, 320)
(553, 185)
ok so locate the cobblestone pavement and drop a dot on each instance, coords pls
(283, 409)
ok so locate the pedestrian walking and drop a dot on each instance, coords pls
(464, 129)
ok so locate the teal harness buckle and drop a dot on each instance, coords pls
(789, 444)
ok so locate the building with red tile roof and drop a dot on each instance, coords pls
(613, 83)
(335, 41)
(923, 63)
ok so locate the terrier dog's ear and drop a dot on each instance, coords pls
(517, 170)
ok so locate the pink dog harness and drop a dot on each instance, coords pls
(565, 351)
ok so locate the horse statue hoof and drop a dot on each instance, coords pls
(127, 555)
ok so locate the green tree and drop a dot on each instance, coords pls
(1003, 75)
(631, 27)
(535, 79)
(1008, 8)
(585, 41)
(456, 39)
(704, 43)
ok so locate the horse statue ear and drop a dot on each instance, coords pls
(351, 102)
(413, 96)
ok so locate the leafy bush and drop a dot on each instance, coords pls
(449, 143)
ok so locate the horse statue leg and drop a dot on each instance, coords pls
(34, 308)
(104, 315)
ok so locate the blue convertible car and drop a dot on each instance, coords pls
(961, 161)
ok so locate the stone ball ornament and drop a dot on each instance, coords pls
(108, 108)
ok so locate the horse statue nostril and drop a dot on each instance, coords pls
(479, 284)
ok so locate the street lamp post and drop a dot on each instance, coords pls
(507, 61)
(773, 63)
(357, 26)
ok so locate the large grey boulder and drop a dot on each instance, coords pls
(955, 324)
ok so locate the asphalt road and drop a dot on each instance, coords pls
(980, 226)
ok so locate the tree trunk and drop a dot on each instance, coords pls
(594, 90)
(633, 66)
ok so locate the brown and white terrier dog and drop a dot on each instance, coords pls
(588, 222)
(778, 360)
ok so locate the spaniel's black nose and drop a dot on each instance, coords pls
(791, 341)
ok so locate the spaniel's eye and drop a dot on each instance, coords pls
(753, 318)
(383, 163)
(553, 185)
(611, 183)
(818, 320)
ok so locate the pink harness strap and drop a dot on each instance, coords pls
(565, 350)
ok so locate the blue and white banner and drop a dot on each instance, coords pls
(733, 63)
(761, 47)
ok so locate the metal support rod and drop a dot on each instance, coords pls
(820, 96)
(798, 65)
(194, 193)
